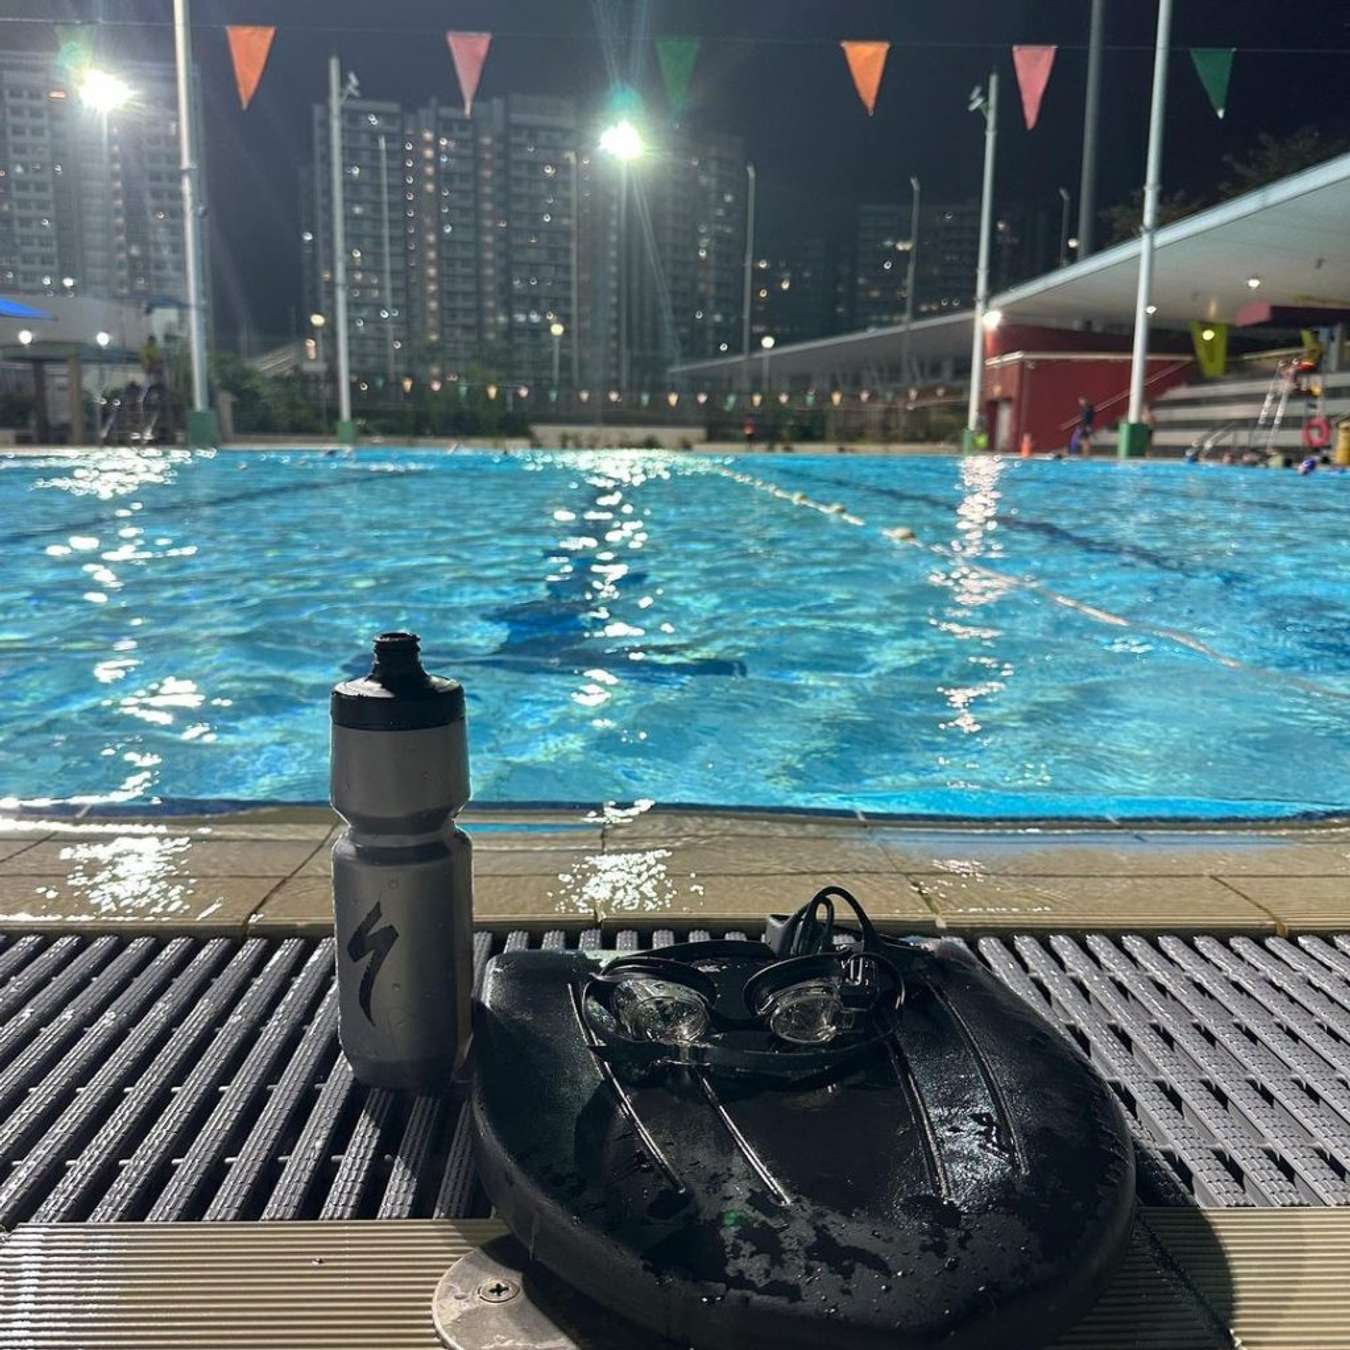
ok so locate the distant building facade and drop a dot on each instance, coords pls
(948, 256)
(90, 202)
(476, 238)
(793, 284)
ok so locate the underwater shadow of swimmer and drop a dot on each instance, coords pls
(553, 635)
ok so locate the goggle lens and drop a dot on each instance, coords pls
(659, 1010)
(810, 1013)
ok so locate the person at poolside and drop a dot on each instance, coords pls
(1307, 362)
(152, 363)
(1080, 443)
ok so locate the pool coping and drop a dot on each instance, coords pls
(264, 872)
(242, 809)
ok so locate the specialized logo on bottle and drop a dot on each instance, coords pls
(368, 941)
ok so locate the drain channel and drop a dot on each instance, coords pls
(187, 1079)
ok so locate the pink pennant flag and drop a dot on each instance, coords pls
(1033, 66)
(469, 52)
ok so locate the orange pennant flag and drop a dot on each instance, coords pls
(1033, 74)
(249, 46)
(867, 61)
(469, 52)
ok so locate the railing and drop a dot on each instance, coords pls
(1215, 434)
(1125, 393)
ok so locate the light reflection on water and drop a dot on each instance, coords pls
(972, 636)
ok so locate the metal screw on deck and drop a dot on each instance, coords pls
(498, 1291)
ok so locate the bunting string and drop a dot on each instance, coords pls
(721, 39)
(677, 57)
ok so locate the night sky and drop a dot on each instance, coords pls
(770, 71)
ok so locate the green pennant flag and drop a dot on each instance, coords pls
(676, 57)
(75, 46)
(1214, 66)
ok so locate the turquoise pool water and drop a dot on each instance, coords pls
(1057, 639)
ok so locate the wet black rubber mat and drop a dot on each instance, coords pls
(187, 1079)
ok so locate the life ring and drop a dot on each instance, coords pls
(1317, 433)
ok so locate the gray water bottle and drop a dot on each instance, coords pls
(402, 871)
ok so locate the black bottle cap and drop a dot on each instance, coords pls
(397, 695)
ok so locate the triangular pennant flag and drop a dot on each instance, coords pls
(1214, 66)
(1211, 347)
(469, 52)
(75, 46)
(1033, 74)
(866, 62)
(676, 57)
(249, 46)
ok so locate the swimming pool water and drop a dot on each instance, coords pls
(1057, 639)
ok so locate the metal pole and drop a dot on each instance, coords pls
(1087, 188)
(557, 358)
(388, 266)
(982, 267)
(192, 221)
(323, 378)
(1064, 227)
(1153, 175)
(746, 302)
(909, 282)
(344, 374)
(625, 278)
(575, 318)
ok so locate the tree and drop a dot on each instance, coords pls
(1273, 157)
(1126, 220)
(1263, 161)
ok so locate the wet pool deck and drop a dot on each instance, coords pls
(1268, 1279)
(266, 873)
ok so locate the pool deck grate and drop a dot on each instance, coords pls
(181, 1079)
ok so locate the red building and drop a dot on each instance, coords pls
(1035, 376)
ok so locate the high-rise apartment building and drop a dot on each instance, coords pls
(949, 246)
(460, 234)
(792, 296)
(508, 226)
(90, 201)
(663, 245)
(378, 194)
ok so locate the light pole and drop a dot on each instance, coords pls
(201, 428)
(317, 322)
(1087, 188)
(1064, 227)
(910, 278)
(767, 344)
(746, 301)
(623, 141)
(575, 317)
(102, 337)
(987, 103)
(1134, 433)
(388, 265)
(346, 428)
(556, 331)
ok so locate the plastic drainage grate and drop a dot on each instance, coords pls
(188, 1079)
